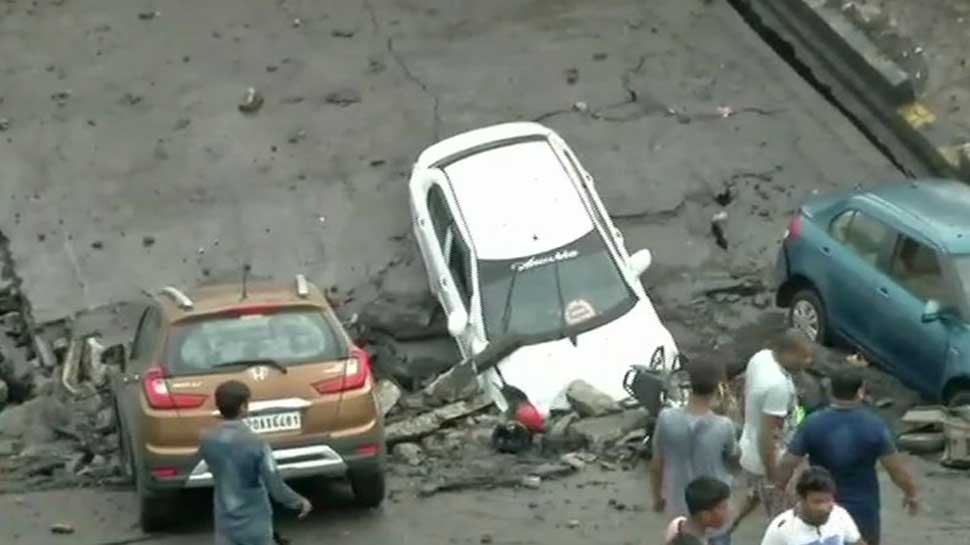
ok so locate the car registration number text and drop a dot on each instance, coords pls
(270, 423)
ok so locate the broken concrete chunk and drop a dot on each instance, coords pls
(573, 460)
(16, 371)
(105, 420)
(252, 101)
(4, 393)
(532, 481)
(16, 420)
(8, 447)
(409, 453)
(62, 528)
(557, 438)
(429, 422)
(459, 383)
(588, 401)
(406, 317)
(604, 431)
(550, 471)
(75, 464)
(388, 394)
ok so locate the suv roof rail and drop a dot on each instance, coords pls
(302, 289)
(180, 298)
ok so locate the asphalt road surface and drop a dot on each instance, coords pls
(126, 164)
(597, 507)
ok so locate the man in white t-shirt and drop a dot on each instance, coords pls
(770, 415)
(815, 519)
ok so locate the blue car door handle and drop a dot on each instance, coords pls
(884, 292)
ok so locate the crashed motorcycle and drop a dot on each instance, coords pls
(655, 388)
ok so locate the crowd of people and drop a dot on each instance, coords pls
(814, 475)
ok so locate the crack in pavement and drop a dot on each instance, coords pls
(652, 217)
(399, 60)
(648, 109)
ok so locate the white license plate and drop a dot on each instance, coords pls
(271, 423)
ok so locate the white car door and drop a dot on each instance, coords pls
(446, 258)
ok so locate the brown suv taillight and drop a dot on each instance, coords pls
(156, 391)
(356, 372)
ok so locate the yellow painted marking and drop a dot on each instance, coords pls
(955, 155)
(917, 115)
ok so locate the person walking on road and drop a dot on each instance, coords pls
(847, 439)
(708, 510)
(692, 442)
(244, 473)
(816, 519)
(770, 416)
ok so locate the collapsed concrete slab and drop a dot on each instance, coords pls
(458, 383)
(605, 431)
(404, 316)
(588, 401)
(429, 422)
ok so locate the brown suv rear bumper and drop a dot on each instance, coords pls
(332, 458)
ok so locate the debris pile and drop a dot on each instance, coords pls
(65, 434)
(56, 421)
(448, 442)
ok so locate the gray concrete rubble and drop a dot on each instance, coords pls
(459, 382)
(57, 427)
(388, 394)
(409, 453)
(429, 422)
(588, 401)
(405, 317)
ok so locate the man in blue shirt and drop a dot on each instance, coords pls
(847, 439)
(245, 475)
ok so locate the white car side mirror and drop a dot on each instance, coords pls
(641, 261)
(457, 322)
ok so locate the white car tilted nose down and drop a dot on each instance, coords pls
(518, 244)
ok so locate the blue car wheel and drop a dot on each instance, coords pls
(807, 314)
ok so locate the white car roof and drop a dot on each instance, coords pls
(517, 200)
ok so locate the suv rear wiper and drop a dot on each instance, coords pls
(252, 363)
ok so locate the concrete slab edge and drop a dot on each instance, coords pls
(881, 84)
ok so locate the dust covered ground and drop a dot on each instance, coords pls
(126, 164)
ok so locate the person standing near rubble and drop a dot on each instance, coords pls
(244, 474)
(847, 439)
(770, 417)
(691, 442)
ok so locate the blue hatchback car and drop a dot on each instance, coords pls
(887, 270)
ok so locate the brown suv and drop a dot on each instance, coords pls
(313, 392)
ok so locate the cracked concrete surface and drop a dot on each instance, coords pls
(145, 173)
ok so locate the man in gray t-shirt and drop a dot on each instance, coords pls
(691, 442)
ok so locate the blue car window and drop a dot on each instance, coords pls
(917, 268)
(866, 237)
(840, 225)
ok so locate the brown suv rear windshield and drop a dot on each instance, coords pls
(288, 337)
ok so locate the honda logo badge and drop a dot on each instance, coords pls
(260, 373)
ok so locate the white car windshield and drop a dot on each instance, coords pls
(551, 291)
